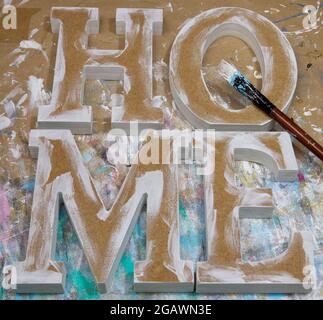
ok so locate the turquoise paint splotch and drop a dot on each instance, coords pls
(182, 211)
(84, 286)
(1, 291)
(29, 185)
(87, 156)
(78, 278)
(127, 264)
(102, 169)
(191, 235)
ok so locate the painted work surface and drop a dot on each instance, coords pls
(27, 59)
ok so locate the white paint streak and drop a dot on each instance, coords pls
(38, 95)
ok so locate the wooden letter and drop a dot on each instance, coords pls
(225, 204)
(272, 49)
(75, 63)
(61, 176)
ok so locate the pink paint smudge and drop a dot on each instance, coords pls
(301, 177)
(4, 206)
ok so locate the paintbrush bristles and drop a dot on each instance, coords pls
(226, 70)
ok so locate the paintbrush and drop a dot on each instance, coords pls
(246, 88)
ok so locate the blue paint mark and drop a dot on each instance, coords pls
(290, 17)
(102, 169)
(296, 15)
(29, 185)
(276, 296)
(240, 82)
(87, 156)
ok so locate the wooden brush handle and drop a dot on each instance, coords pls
(246, 88)
(297, 132)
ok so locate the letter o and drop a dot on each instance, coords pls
(272, 49)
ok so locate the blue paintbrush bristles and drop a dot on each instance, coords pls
(239, 82)
(244, 86)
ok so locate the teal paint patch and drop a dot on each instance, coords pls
(29, 185)
(84, 286)
(182, 210)
(127, 264)
(87, 156)
(102, 169)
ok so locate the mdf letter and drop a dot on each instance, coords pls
(75, 63)
(224, 271)
(61, 176)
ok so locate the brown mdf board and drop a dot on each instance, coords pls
(29, 64)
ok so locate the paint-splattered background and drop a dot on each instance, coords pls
(27, 57)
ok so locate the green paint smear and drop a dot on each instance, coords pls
(127, 264)
(182, 210)
(193, 240)
(85, 288)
